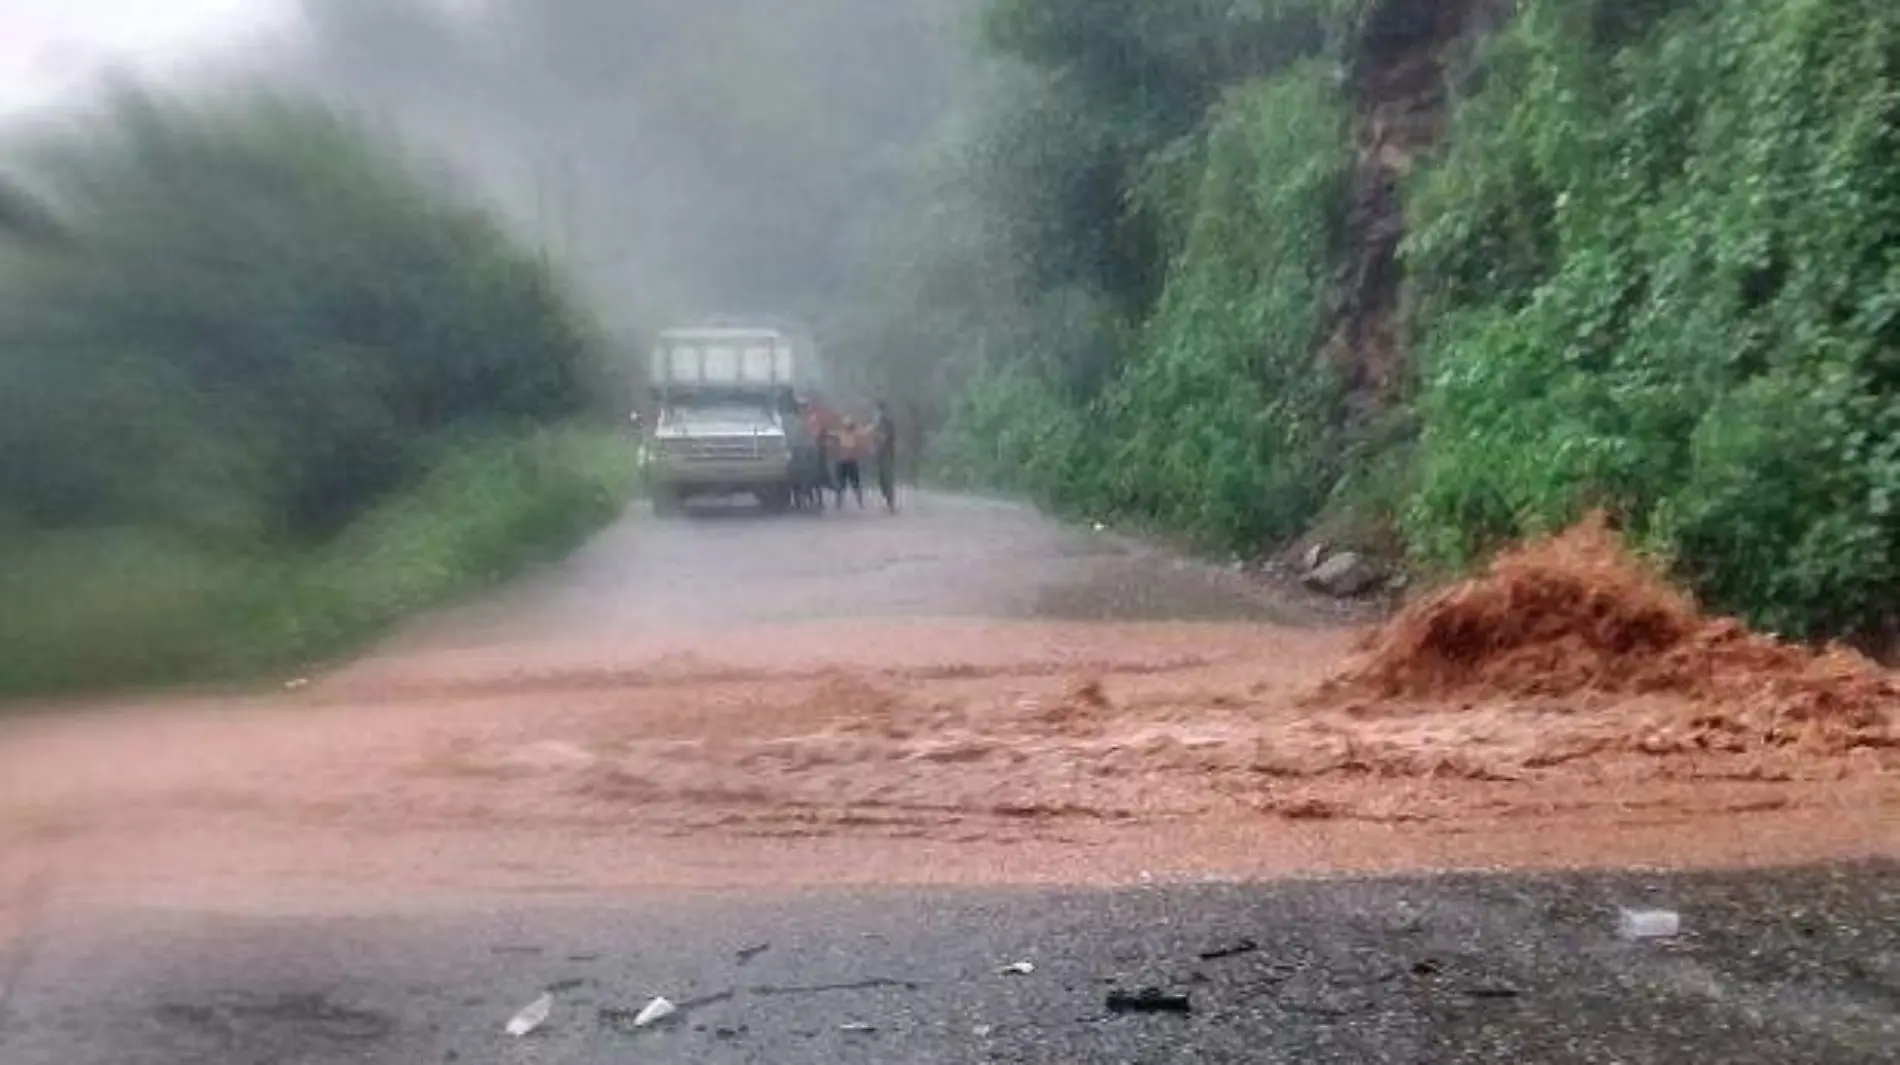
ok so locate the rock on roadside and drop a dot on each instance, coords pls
(1346, 574)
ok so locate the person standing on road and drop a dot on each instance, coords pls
(884, 438)
(798, 429)
(850, 470)
(819, 473)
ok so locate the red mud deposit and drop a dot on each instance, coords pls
(1565, 710)
(1576, 615)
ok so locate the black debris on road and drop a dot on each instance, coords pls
(1148, 1000)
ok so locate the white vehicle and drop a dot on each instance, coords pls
(723, 396)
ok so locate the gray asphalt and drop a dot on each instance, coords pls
(1773, 967)
(941, 556)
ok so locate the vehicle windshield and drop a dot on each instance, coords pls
(721, 414)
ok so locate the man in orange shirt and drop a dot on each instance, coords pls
(850, 450)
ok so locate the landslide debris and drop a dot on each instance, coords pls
(1577, 614)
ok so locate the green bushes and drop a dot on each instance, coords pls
(1218, 420)
(267, 391)
(1661, 273)
(262, 322)
(1011, 429)
(106, 608)
(1222, 424)
(1653, 265)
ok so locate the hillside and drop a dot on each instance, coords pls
(1432, 277)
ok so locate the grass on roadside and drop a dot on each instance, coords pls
(116, 609)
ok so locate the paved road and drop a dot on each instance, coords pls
(942, 556)
(1789, 967)
(1773, 968)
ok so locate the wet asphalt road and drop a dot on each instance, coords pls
(1797, 966)
(942, 556)
(1774, 968)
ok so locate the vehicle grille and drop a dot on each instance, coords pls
(718, 449)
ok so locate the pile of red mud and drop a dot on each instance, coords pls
(1577, 614)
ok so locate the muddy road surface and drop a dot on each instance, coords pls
(965, 697)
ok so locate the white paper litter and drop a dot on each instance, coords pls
(1648, 924)
(532, 1016)
(656, 1011)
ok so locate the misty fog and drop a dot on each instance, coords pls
(678, 158)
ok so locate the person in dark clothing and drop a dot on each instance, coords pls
(821, 467)
(884, 438)
(810, 474)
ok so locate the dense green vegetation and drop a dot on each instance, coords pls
(1171, 225)
(267, 391)
(1663, 267)
(1248, 280)
(1653, 264)
(264, 387)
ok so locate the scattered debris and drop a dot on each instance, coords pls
(982, 1031)
(298, 684)
(1426, 967)
(746, 954)
(857, 1028)
(1148, 1000)
(569, 984)
(1018, 968)
(655, 1012)
(1244, 946)
(660, 1009)
(1648, 924)
(723, 1032)
(532, 1016)
(1493, 991)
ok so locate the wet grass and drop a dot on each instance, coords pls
(123, 609)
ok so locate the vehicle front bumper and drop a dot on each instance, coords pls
(721, 475)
